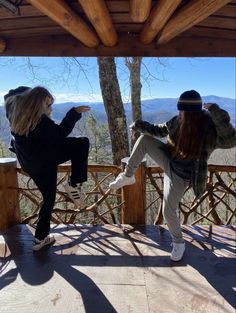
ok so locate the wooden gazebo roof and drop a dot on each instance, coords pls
(118, 28)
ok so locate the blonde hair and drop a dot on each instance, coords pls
(26, 109)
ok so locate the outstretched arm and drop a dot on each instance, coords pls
(226, 133)
(48, 131)
(72, 116)
(160, 130)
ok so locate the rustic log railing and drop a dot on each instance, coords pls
(140, 203)
(102, 205)
(216, 206)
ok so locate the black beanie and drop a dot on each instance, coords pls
(190, 101)
(17, 91)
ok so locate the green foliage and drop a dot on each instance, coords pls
(3, 150)
(99, 138)
(100, 142)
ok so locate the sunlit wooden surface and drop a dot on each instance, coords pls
(109, 268)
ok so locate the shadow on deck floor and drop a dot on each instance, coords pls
(123, 269)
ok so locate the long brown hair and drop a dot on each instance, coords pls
(27, 109)
(193, 127)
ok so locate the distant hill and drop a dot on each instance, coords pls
(154, 111)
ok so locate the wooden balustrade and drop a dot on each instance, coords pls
(137, 204)
(216, 206)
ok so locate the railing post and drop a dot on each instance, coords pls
(211, 201)
(9, 197)
(133, 210)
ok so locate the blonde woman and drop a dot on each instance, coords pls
(192, 136)
(40, 145)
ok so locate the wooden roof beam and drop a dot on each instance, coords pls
(98, 14)
(2, 45)
(66, 45)
(62, 14)
(188, 16)
(157, 19)
(140, 10)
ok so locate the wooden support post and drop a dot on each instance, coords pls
(133, 210)
(9, 201)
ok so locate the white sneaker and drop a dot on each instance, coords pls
(177, 251)
(76, 194)
(122, 180)
(39, 244)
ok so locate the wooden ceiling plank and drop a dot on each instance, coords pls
(157, 19)
(2, 45)
(196, 31)
(226, 11)
(29, 32)
(98, 15)
(218, 22)
(57, 30)
(61, 13)
(28, 22)
(118, 6)
(188, 16)
(211, 33)
(30, 11)
(140, 10)
(25, 11)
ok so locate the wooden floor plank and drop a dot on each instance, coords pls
(111, 268)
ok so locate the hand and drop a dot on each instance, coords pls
(207, 105)
(82, 108)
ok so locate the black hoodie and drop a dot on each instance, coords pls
(33, 151)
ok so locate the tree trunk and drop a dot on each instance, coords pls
(114, 108)
(134, 66)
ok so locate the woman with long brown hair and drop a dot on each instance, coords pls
(40, 145)
(191, 138)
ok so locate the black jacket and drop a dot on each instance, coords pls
(33, 150)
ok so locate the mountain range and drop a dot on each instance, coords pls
(154, 111)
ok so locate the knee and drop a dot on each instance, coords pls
(142, 139)
(81, 142)
(86, 143)
(146, 139)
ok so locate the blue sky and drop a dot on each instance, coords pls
(78, 80)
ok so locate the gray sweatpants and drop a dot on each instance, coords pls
(174, 185)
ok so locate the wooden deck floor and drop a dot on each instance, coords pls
(106, 269)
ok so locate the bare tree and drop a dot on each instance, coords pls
(114, 108)
(134, 66)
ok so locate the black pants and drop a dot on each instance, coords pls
(74, 149)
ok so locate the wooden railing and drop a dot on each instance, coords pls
(102, 205)
(140, 203)
(216, 206)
